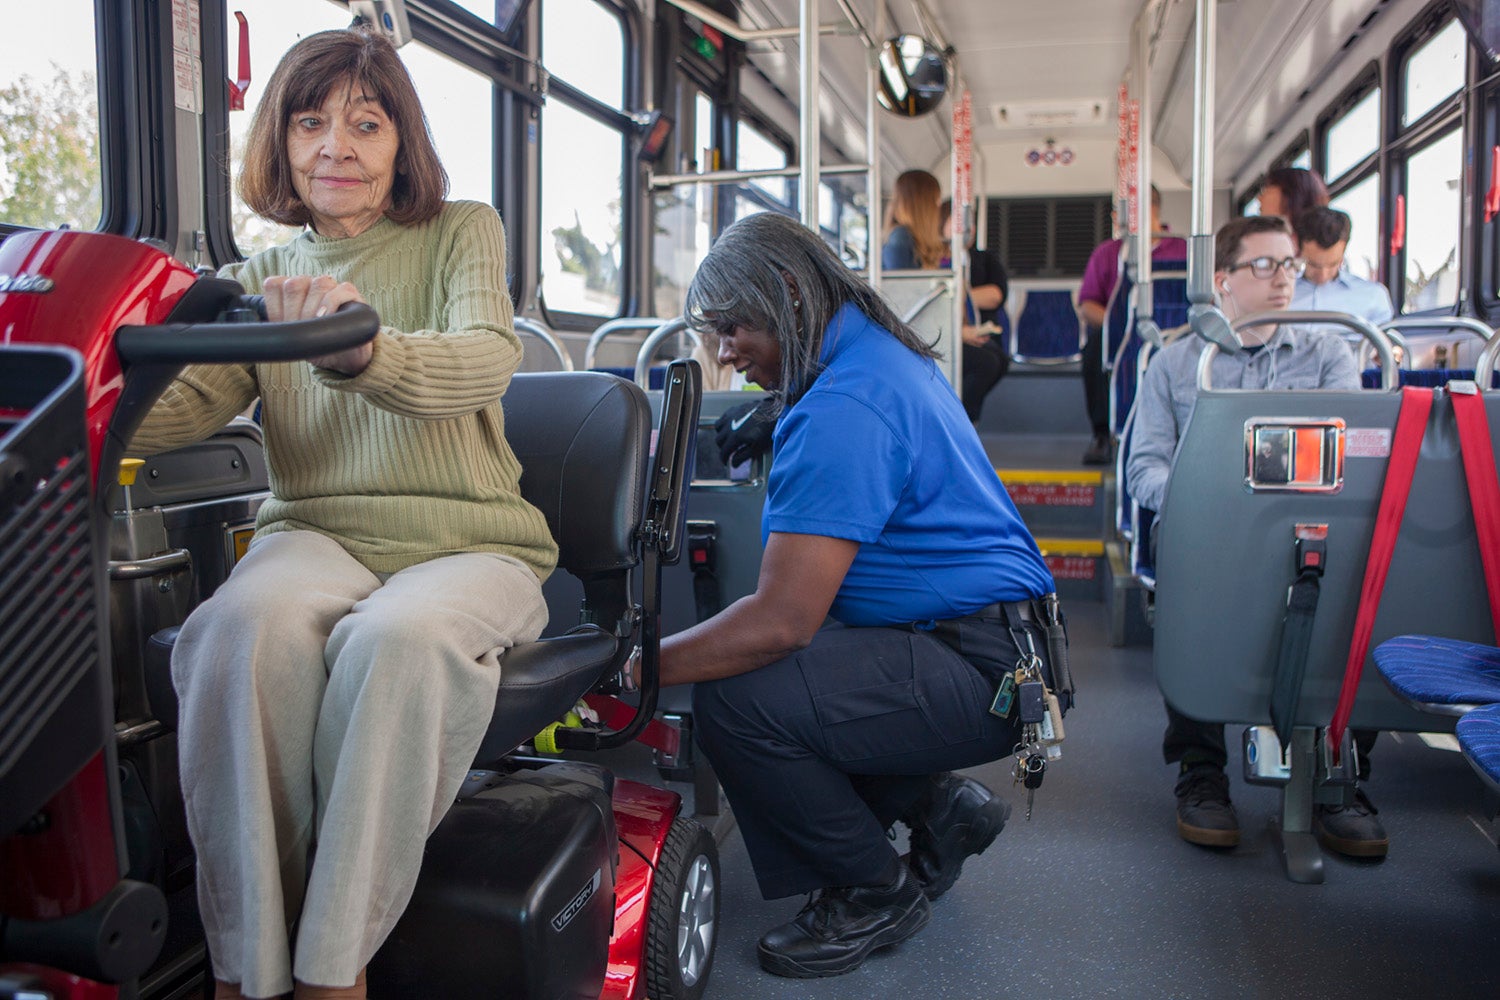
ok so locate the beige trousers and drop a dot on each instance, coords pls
(320, 703)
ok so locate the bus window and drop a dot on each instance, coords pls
(1362, 204)
(49, 117)
(1433, 72)
(583, 44)
(458, 104)
(755, 151)
(1353, 136)
(1302, 161)
(684, 218)
(1433, 176)
(275, 26)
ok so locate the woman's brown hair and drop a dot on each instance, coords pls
(303, 79)
(914, 204)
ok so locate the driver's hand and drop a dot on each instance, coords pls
(744, 432)
(300, 298)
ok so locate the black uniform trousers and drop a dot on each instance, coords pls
(1095, 382)
(820, 752)
(1192, 742)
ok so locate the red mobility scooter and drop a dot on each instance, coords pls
(547, 879)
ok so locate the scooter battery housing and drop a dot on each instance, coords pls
(516, 895)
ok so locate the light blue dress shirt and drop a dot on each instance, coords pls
(1345, 293)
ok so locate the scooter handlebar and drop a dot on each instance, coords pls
(236, 343)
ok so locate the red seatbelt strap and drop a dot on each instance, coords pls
(1484, 488)
(1406, 443)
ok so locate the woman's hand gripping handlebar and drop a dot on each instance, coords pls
(238, 342)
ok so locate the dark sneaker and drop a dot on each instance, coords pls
(957, 818)
(1352, 829)
(1204, 813)
(840, 926)
(1101, 449)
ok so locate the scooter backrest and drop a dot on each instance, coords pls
(583, 441)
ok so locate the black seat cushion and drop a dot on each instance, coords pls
(161, 697)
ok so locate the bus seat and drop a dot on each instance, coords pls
(1047, 331)
(1479, 739)
(1443, 676)
(1169, 309)
(657, 374)
(583, 442)
(1226, 559)
(1431, 377)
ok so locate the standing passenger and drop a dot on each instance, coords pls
(1290, 191)
(883, 513)
(1255, 270)
(1099, 279)
(337, 686)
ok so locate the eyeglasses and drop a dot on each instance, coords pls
(1265, 267)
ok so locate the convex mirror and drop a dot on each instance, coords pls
(913, 76)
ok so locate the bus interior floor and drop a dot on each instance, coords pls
(1097, 896)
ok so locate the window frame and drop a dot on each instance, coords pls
(630, 176)
(1422, 29)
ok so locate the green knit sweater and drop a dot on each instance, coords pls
(406, 461)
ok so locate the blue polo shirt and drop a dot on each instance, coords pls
(879, 452)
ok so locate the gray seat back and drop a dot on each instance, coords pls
(1225, 560)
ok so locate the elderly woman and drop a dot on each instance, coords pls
(883, 512)
(336, 687)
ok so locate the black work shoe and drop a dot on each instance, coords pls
(840, 926)
(957, 817)
(1204, 813)
(1100, 451)
(1352, 829)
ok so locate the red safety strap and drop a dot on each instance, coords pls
(1406, 443)
(240, 85)
(616, 714)
(1484, 488)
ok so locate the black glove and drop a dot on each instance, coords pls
(744, 432)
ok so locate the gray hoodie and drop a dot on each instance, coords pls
(1296, 357)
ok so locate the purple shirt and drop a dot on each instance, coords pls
(1104, 266)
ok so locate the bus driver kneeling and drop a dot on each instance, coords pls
(883, 513)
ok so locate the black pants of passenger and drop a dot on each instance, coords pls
(1192, 742)
(1096, 381)
(984, 367)
(820, 752)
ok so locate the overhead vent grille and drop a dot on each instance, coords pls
(1049, 114)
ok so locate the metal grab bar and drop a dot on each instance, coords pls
(670, 328)
(1465, 323)
(614, 326)
(546, 336)
(140, 569)
(1485, 366)
(1390, 377)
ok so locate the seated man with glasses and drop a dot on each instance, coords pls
(1255, 270)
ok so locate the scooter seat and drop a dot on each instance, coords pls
(539, 682)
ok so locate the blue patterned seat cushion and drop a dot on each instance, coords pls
(1479, 738)
(1433, 671)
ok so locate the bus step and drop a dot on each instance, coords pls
(1077, 565)
(1063, 503)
